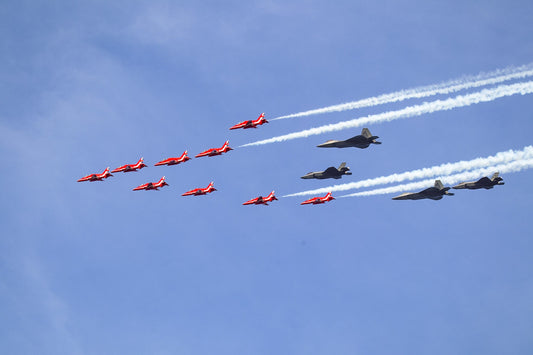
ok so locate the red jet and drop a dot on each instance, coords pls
(200, 191)
(251, 123)
(152, 185)
(173, 161)
(96, 177)
(318, 200)
(130, 167)
(215, 151)
(261, 200)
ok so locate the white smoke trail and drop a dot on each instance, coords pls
(449, 87)
(512, 167)
(485, 95)
(438, 170)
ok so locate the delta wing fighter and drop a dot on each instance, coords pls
(330, 173)
(361, 141)
(483, 183)
(434, 193)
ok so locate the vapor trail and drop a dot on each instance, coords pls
(485, 95)
(468, 82)
(438, 170)
(512, 167)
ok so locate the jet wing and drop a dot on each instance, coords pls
(409, 196)
(242, 124)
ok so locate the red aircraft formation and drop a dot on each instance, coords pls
(260, 200)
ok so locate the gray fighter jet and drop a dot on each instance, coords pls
(434, 193)
(330, 173)
(361, 141)
(483, 183)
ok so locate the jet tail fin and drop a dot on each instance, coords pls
(366, 133)
(342, 166)
(439, 185)
(495, 176)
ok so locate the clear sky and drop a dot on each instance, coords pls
(95, 268)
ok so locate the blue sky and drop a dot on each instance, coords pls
(95, 268)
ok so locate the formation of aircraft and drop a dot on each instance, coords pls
(318, 200)
(361, 141)
(261, 200)
(435, 193)
(152, 185)
(200, 191)
(173, 161)
(215, 151)
(483, 183)
(251, 123)
(96, 177)
(130, 167)
(330, 173)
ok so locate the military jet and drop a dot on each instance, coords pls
(434, 193)
(173, 161)
(251, 123)
(330, 173)
(130, 167)
(361, 141)
(215, 151)
(261, 200)
(483, 183)
(96, 177)
(318, 200)
(200, 191)
(152, 185)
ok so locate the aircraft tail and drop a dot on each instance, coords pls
(439, 185)
(366, 133)
(271, 196)
(342, 166)
(495, 176)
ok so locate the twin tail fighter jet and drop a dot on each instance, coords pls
(200, 191)
(329, 173)
(261, 200)
(96, 177)
(215, 151)
(130, 167)
(318, 200)
(361, 141)
(173, 161)
(435, 193)
(152, 185)
(483, 183)
(251, 123)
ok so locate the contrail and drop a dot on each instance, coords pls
(468, 82)
(484, 95)
(512, 167)
(438, 170)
